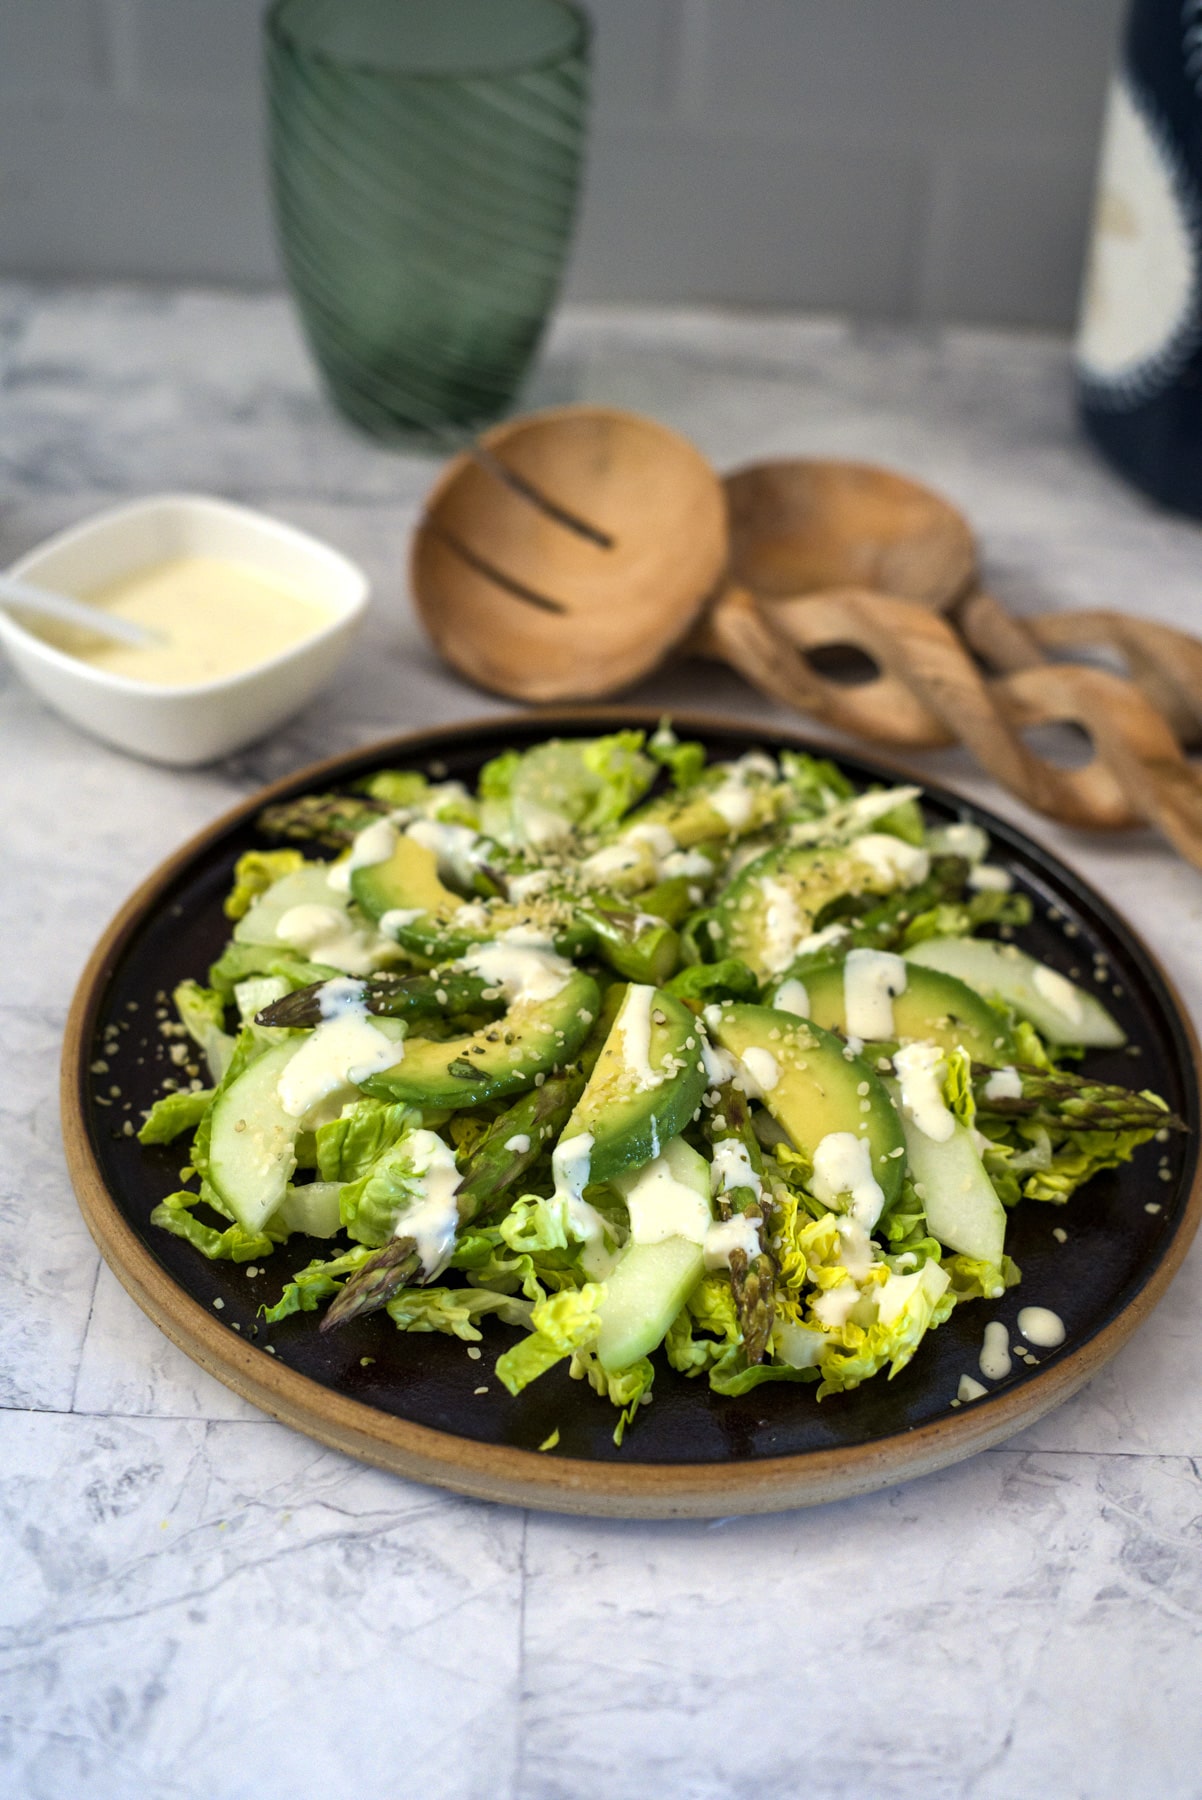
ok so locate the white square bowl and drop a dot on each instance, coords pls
(185, 725)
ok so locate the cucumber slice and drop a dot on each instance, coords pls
(1064, 1013)
(313, 1209)
(962, 1208)
(252, 1149)
(655, 1274)
(309, 886)
(642, 1297)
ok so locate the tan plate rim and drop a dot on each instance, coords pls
(497, 1472)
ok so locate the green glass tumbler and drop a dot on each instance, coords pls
(425, 164)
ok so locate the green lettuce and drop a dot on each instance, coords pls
(254, 873)
(561, 1324)
(173, 1114)
(921, 1301)
(454, 1310)
(973, 1279)
(372, 1205)
(582, 784)
(348, 1146)
(318, 1281)
(684, 762)
(627, 1388)
(1081, 1155)
(202, 1013)
(396, 787)
(960, 918)
(816, 784)
(238, 962)
(174, 1214)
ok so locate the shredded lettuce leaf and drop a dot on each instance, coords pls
(254, 873)
(174, 1114)
(174, 1214)
(561, 1324)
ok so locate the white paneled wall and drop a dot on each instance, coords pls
(901, 159)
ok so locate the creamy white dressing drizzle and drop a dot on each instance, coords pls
(921, 1069)
(843, 1165)
(842, 822)
(855, 1248)
(657, 838)
(1004, 1084)
(761, 1071)
(961, 839)
(570, 1171)
(690, 863)
(995, 1351)
(731, 1168)
(872, 979)
(791, 997)
(1058, 992)
(970, 1389)
(988, 876)
(634, 1027)
(891, 859)
(1041, 1326)
(834, 1305)
(662, 1206)
(337, 1055)
(527, 887)
(451, 845)
(519, 1143)
(613, 859)
(471, 916)
(739, 1233)
(432, 1219)
(522, 965)
(326, 934)
(397, 917)
(374, 844)
(782, 924)
(820, 940)
(720, 1065)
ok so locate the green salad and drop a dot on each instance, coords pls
(651, 1058)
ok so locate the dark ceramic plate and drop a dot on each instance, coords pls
(410, 1403)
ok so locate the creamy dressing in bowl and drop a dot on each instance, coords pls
(211, 617)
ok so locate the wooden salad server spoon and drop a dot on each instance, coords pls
(787, 519)
(525, 607)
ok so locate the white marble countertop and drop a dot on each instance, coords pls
(198, 1602)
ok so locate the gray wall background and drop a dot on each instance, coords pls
(920, 160)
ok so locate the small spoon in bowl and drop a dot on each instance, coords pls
(20, 597)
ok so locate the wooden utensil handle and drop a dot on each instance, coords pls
(929, 692)
(1164, 663)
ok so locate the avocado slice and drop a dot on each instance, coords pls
(645, 1086)
(773, 903)
(694, 820)
(934, 1008)
(437, 925)
(818, 1087)
(534, 1037)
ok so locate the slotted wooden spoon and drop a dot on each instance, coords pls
(523, 606)
(786, 563)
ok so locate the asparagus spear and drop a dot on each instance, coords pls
(494, 1166)
(390, 997)
(638, 945)
(883, 927)
(331, 820)
(492, 1170)
(1070, 1102)
(752, 1280)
